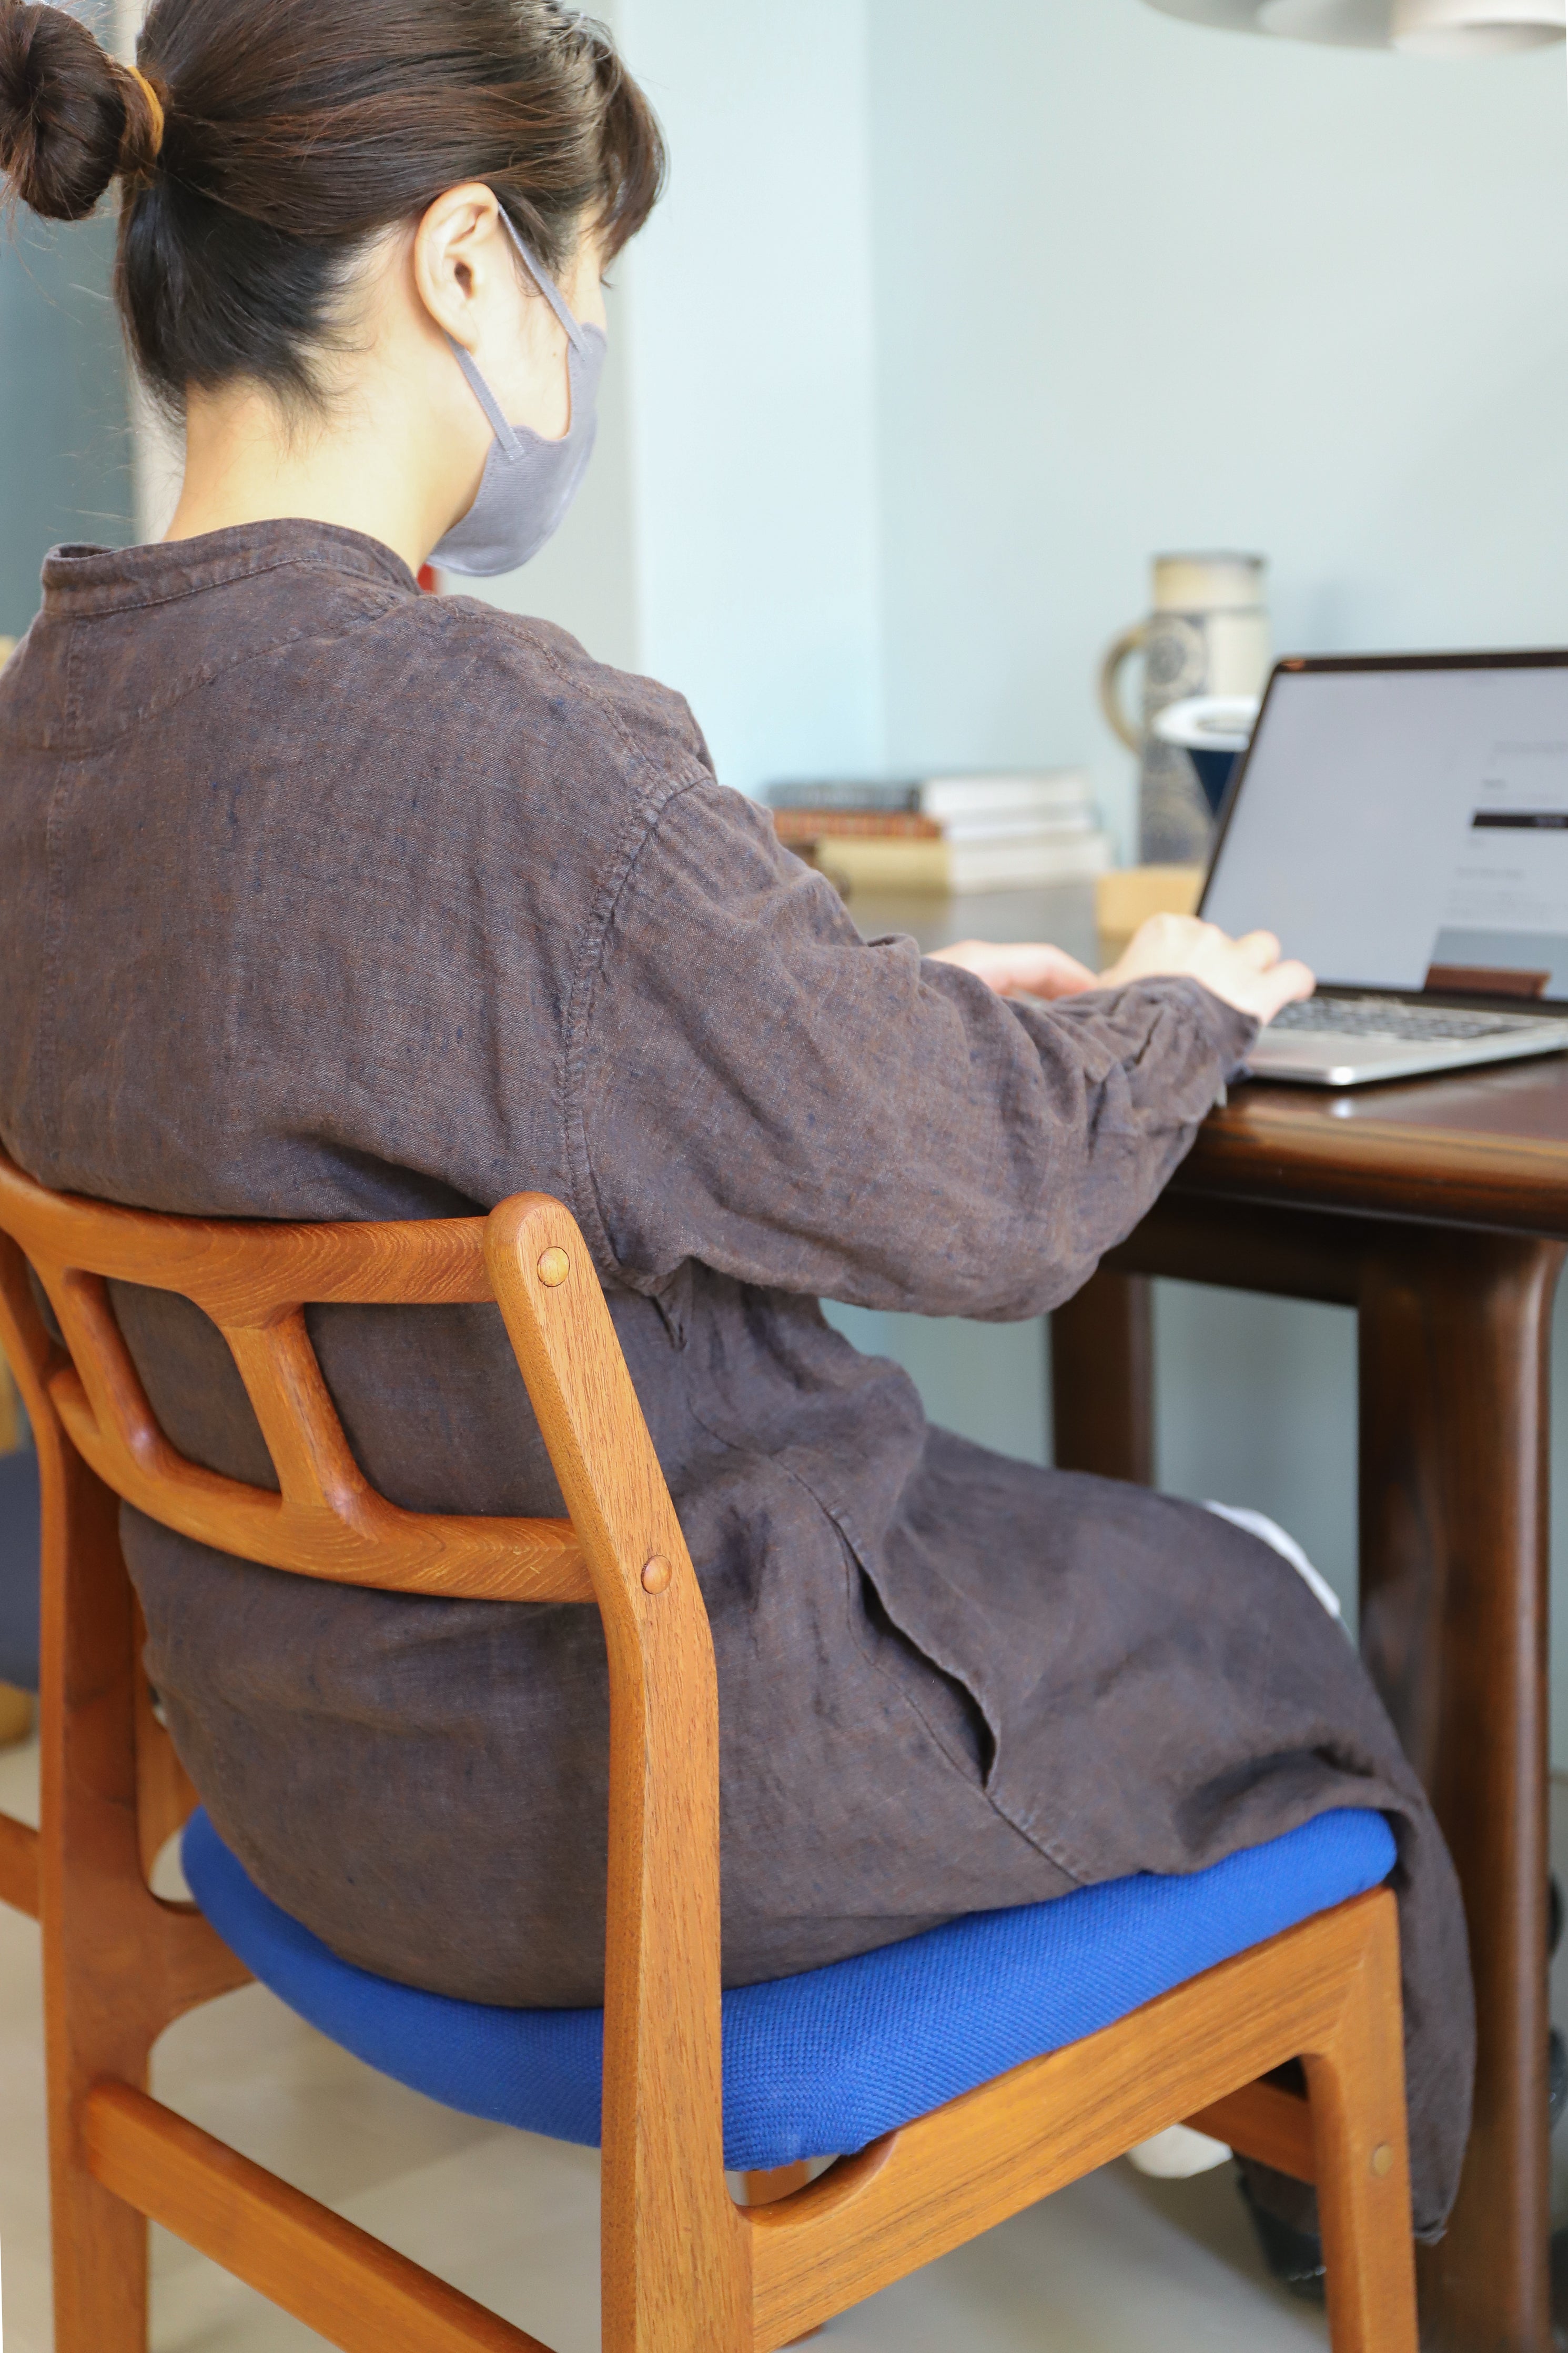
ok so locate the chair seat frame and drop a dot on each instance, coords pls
(683, 2265)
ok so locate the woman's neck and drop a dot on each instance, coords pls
(365, 467)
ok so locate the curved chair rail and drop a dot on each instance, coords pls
(254, 1282)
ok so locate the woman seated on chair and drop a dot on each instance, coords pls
(322, 898)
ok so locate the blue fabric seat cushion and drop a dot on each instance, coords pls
(820, 2065)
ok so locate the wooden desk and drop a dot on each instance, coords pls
(1438, 1208)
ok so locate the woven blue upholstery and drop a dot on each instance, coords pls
(818, 2066)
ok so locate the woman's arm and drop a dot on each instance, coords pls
(751, 1085)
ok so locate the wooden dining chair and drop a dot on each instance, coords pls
(18, 1840)
(684, 2268)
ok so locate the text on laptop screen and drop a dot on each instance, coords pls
(1407, 828)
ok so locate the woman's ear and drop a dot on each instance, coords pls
(460, 252)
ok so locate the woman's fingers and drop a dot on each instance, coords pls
(1284, 984)
(1161, 944)
(1247, 973)
(1259, 948)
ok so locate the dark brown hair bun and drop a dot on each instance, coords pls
(297, 131)
(70, 119)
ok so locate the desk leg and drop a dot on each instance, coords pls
(1454, 1332)
(1102, 1379)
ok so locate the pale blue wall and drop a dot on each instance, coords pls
(754, 365)
(1143, 286)
(65, 453)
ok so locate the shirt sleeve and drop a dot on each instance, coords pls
(758, 1089)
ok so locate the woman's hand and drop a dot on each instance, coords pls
(1247, 973)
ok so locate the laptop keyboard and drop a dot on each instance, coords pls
(1385, 1017)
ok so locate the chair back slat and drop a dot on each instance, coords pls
(254, 1281)
(304, 1437)
(100, 1368)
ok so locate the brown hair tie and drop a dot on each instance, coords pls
(154, 107)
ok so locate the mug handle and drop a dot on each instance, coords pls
(1132, 641)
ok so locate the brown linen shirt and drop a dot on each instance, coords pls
(322, 899)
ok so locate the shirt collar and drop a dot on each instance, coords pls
(84, 579)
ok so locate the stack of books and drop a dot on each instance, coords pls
(1005, 832)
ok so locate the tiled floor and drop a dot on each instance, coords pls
(1114, 2265)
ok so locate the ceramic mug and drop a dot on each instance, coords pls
(1208, 634)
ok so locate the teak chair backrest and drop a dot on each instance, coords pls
(685, 2269)
(622, 1548)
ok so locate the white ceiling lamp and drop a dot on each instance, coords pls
(1419, 28)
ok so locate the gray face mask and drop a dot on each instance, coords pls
(528, 482)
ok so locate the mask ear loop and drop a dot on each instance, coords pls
(507, 441)
(544, 283)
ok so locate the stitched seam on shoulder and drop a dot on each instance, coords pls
(587, 1206)
(591, 686)
(574, 682)
(201, 679)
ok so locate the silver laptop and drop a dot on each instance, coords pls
(1402, 822)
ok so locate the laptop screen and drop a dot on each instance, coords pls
(1406, 828)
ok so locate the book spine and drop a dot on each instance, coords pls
(794, 826)
(813, 824)
(1022, 827)
(954, 797)
(873, 863)
(849, 797)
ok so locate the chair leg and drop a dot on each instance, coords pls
(102, 1979)
(100, 2262)
(1357, 2087)
(767, 2188)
